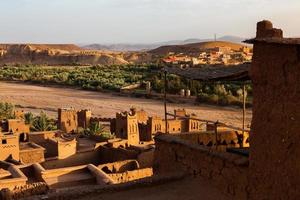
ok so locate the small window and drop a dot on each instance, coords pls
(4, 141)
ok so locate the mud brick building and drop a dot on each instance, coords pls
(275, 138)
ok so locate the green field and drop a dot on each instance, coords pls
(113, 78)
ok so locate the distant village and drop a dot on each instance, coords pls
(221, 55)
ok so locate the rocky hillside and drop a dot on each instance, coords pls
(64, 54)
(193, 48)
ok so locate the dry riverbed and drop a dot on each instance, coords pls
(36, 98)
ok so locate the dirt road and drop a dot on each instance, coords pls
(36, 98)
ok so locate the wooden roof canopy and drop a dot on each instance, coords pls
(213, 73)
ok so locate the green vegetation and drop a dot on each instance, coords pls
(40, 122)
(97, 131)
(6, 111)
(113, 78)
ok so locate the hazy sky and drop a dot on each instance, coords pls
(139, 21)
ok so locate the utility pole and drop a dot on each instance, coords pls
(165, 102)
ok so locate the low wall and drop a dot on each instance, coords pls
(83, 191)
(225, 138)
(28, 190)
(109, 155)
(229, 172)
(35, 154)
(131, 175)
(80, 158)
(17, 179)
(120, 166)
(67, 177)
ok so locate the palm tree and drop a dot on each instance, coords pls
(29, 118)
(96, 128)
(41, 123)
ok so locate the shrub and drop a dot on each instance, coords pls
(6, 111)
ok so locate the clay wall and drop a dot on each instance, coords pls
(275, 138)
(110, 155)
(9, 147)
(66, 148)
(32, 154)
(40, 137)
(179, 113)
(51, 148)
(17, 179)
(145, 159)
(131, 175)
(19, 114)
(127, 128)
(119, 166)
(67, 120)
(67, 177)
(176, 126)
(24, 191)
(80, 158)
(225, 138)
(229, 172)
(195, 126)
(84, 118)
(142, 116)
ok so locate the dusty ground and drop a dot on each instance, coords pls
(187, 189)
(35, 98)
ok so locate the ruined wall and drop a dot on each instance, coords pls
(32, 156)
(109, 155)
(131, 175)
(24, 191)
(229, 172)
(119, 166)
(40, 137)
(16, 179)
(275, 139)
(81, 158)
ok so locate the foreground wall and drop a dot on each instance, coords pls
(227, 171)
(275, 141)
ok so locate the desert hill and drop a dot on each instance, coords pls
(63, 47)
(147, 47)
(194, 48)
(65, 54)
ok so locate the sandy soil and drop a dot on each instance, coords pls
(36, 98)
(187, 189)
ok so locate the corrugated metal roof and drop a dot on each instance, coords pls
(213, 72)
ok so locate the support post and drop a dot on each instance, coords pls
(165, 102)
(244, 114)
(216, 134)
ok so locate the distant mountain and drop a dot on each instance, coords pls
(147, 47)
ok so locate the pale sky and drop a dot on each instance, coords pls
(139, 21)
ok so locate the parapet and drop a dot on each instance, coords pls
(267, 34)
(265, 30)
